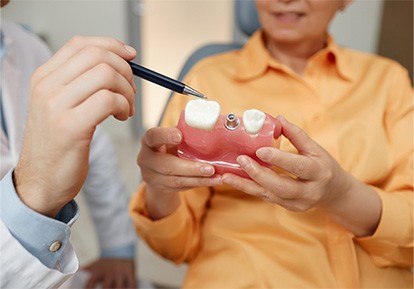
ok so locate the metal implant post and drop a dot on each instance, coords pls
(232, 121)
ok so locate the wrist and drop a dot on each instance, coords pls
(33, 194)
(357, 209)
(161, 204)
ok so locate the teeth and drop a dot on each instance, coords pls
(202, 114)
(253, 120)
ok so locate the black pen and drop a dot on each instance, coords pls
(163, 80)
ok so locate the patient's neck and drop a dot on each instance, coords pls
(295, 55)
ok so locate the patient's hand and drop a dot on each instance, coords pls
(166, 174)
(317, 181)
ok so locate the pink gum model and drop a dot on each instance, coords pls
(226, 141)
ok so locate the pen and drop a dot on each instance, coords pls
(163, 80)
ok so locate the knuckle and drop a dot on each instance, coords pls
(106, 71)
(112, 42)
(38, 89)
(94, 52)
(300, 168)
(167, 170)
(280, 188)
(106, 98)
(149, 137)
(265, 195)
(76, 40)
(325, 174)
(176, 182)
(34, 79)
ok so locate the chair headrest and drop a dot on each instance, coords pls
(246, 16)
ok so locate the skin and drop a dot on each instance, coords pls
(80, 86)
(85, 82)
(3, 3)
(294, 31)
(112, 273)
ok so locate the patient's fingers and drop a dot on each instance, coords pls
(158, 136)
(168, 164)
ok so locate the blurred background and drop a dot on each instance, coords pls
(165, 33)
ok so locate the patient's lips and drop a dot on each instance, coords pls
(219, 139)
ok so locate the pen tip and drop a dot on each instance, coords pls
(193, 92)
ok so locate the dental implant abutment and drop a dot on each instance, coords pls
(232, 121)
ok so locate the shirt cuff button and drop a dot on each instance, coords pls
(55, 246)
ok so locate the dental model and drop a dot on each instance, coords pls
(219, 139)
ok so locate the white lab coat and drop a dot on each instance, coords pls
(104, 189)
(19, 269)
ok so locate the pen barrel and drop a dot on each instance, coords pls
(156, 78)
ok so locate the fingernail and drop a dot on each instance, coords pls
(264, 154)
(243, 161)
(207, 170)
(216, 180)
(176, 138)
(130, 49)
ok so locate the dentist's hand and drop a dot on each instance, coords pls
(81, 85)
(166, 174)
(316, 181)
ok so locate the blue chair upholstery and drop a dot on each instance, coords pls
(247, 22)
(246, 15)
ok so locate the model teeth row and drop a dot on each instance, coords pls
(203, 114)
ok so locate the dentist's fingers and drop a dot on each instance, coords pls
(76, 44)
(98, 78)
(98, 107)
(88, 58)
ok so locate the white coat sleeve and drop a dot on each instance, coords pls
(20, 269)
(107, 196)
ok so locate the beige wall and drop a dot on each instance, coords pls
(171, 30)
(59, 20)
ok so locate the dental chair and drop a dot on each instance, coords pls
(246, 22)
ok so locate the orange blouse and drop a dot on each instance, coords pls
(359, 107)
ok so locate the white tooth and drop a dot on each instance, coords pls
(253, 120)
(202, 114)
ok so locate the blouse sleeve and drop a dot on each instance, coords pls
(392, 243)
